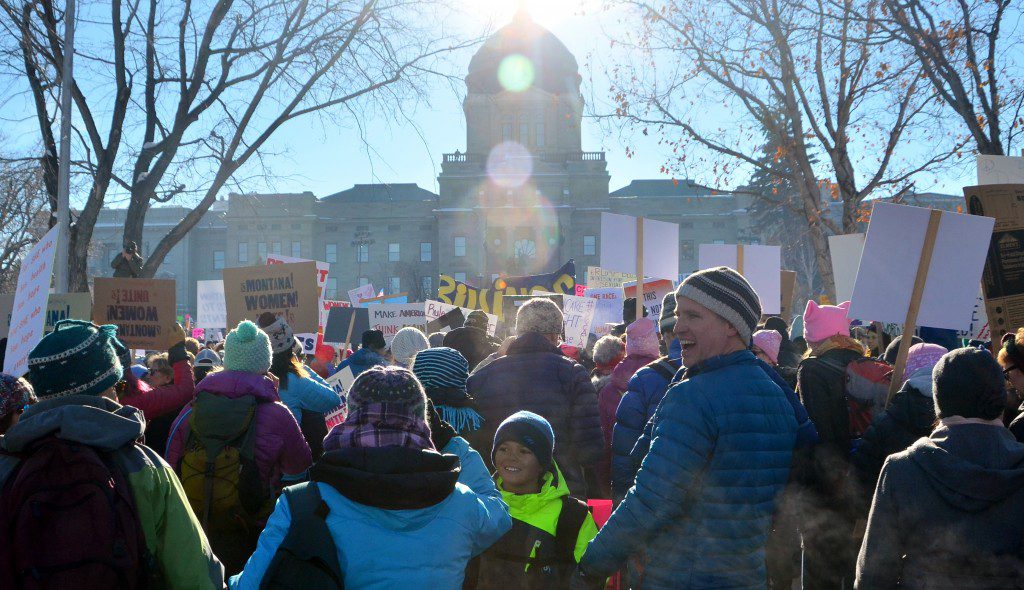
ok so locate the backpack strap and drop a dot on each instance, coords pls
(308, 539)
(664, 368)
(570, 521)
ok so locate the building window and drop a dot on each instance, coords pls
(718, 242)
(426, 252)
(331, 288)
(363, 253)
(460, 245)
(427, 287)
(394, 228)
(363, 281)
(296, 249)
(394, 285)
(394, 252)
(540, 135)
(524, 133)
(243, 251)
(524, 249)
(331, 253)
(218, 259)
(754, 241)
(589, 245)
(506, 132)
(261, 250)
(685, 225)
(718, 224)
(460, 276)
(275, 248)
(686, 249)
(297, 226)
(275, 226)
(330, 229)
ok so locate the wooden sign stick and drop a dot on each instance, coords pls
(915, 302)
(739, 258)
(348, 337)
(639, 267)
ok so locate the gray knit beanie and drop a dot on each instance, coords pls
(667, 319)
(539, 315)
(725, 292)
(407, 342)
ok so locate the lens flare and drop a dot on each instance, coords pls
(509, 165)
(515, 73)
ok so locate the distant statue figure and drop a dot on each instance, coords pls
(128, 264)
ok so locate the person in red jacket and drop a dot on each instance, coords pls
(161, 397)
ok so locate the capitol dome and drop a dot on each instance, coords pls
(554, 67)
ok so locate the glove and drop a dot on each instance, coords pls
(580, 580)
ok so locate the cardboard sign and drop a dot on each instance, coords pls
(322, 268)
(442, 317)
(1000, 170)
(142, 309)
(212, 312)
(453, 292)
(787, 281)
(655, 291)
(608, 310)
(28, 312)
(389, 318)
(888, 267)
(619, 246)
(578, 314)
(761, 266)
(341, 382)
(845, 251)
(285, 290)
(600, 278)
(356, 296)
(338, 320)
(1003, 278)
(60, 306)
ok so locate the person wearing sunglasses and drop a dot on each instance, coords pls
(1011, 359)
(16, 394)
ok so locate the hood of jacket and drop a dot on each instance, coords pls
(626, 368)
(87, 419)
(675, 350)
(523, 506)
(391, 478)
(971, 466)
(532, 342)
(366, 358)
(235, 384)
(921, 382)
(913, 406)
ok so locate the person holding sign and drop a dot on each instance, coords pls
(720, 447)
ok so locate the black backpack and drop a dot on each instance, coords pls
(307, 558)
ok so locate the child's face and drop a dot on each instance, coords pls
(518, 467)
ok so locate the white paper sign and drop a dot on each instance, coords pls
(341, 382)
(28, 316)
(212, 312)
(845, 251)
(389, 318)
(608, 309)
(359, 293)
(618, 246)
(1000, 170)
(888, 267)
(761, 266)
(577, 314)
(435, 309)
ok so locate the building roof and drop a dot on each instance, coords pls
(554, 67)
(666, 187)
(368, 193)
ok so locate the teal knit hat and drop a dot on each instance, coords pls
(247, 349)
(76, 358)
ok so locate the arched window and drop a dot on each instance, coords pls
(524, 248)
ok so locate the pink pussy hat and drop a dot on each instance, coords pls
(821, 322)
(642, 338)
(769, 341)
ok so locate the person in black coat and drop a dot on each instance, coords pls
(948, 512)
(535, 376)
(788, 355)
(472, 339)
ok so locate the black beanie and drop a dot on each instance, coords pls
(968, 382)
(374, 339)
(893, 350)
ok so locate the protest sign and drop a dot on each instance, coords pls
(142, 309)
(577, 316)
(212, 312)
(199, 334)
(845, 251)
(326, 305)
(28, 312)
(356, 296)
(581, 290)
(628, 243)
(599, 278)
(380, 299)
(389, 318)
(441, 317)
(1003, 279)
(787, 282)
(285, 290)
(979, 329)
(655, 291)
(512, 303)
(453, 292)
(341, 383)
(322, 268)
(345, 323)
(608, 310)
(60, 306)
(760, 265)
(1000, 169)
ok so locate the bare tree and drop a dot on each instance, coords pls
(826, 82)
(177, 98)
(971, 53)
(23, 222)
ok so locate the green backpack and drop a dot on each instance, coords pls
(307, 557)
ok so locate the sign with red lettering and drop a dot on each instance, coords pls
(28, 315)
(286, 290)
(142, 309)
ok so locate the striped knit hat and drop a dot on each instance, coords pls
(725, 292)
(441, 367)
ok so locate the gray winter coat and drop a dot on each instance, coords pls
(948, 513)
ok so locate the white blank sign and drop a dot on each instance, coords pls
(761, 266)
(661, 246)
(845, 251)
(892, 252)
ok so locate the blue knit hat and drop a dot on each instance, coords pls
(441, 368)
(530, 430)
(76, 358)
(247, 349)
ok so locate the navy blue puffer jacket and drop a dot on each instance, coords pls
(721, 443)
(534, 375)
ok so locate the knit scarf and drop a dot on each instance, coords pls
(380, 424)
(456, 407)
(838, 342)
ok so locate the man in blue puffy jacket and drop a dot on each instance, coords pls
(720, 447)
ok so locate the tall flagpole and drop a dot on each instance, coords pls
(64, 171)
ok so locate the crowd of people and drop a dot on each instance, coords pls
(736, 451)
